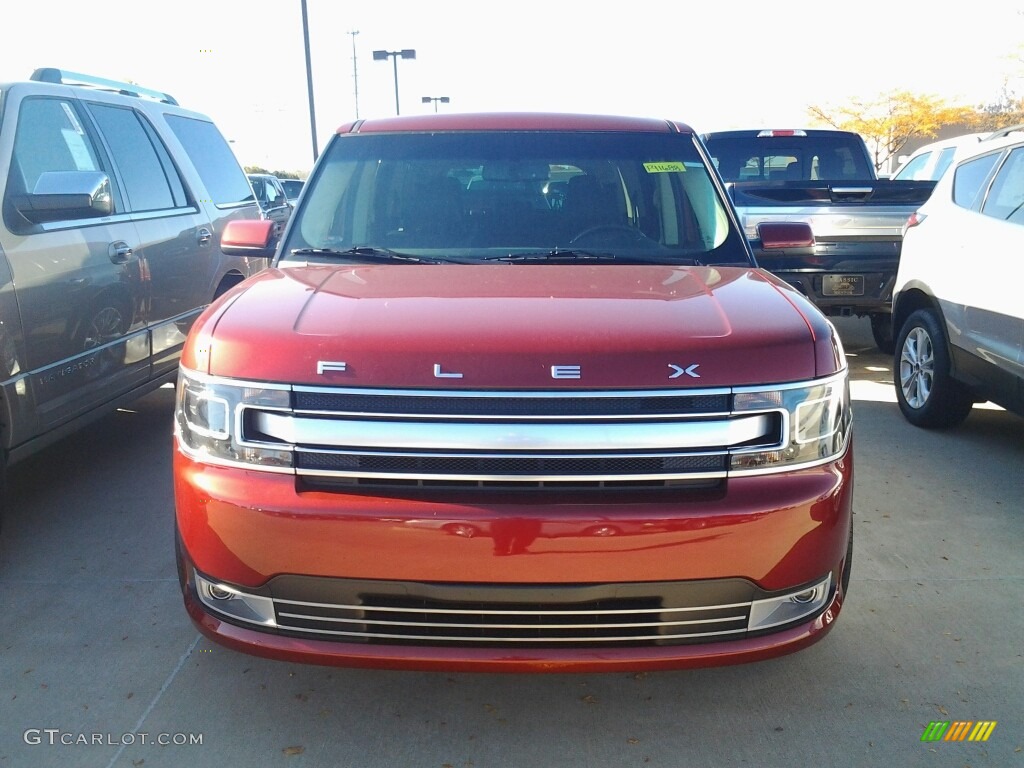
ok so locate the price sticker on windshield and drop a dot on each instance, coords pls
(670, 167)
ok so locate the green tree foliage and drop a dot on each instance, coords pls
(888, 122)
(279, 174)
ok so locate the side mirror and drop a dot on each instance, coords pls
(250, 237)
(61, 195)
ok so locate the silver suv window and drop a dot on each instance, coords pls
(213, 159)
(149, 178)
(51, 136)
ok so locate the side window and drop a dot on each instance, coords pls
(914, 168)
(273, 195)
(214, 161)
(1006, 199)
(969, 178)
(944, 161)
(150, 181)
(50, 137)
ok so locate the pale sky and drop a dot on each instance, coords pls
(738, 64)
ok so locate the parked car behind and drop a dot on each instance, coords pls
(929, 162)
(957, 308)
(271, 196)
(114, 199)
(292, 188)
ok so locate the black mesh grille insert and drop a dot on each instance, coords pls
(572, 405)
(508, 466)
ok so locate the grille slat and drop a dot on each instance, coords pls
(522, 439)
(662, 614)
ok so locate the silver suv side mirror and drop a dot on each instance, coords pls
(60, 195)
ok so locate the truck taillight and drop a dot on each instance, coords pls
(776, 133)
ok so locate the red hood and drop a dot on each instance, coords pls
(506, 326)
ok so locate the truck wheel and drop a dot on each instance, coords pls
(927, 394)
(881, 329)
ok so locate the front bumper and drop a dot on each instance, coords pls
(255, 532)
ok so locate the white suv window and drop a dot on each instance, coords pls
(1006, 199)
(969, 179)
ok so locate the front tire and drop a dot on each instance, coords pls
(927, 393)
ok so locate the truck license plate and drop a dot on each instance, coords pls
(843, 285)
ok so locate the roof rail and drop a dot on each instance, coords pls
(998, 134)
(51, 75)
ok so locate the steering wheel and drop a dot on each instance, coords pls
(619, 229)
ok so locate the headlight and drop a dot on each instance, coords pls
(816, 420)
(210, 417)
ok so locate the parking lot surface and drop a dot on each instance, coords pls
(100, 666)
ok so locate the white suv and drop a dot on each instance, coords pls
(931, 161)
(957, 309)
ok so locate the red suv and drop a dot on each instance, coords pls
(513, 396)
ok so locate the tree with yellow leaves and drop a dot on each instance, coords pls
(893, 119)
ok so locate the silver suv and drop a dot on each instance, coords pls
(114, 199)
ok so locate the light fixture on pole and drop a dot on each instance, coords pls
(436, 99)
(405, 53)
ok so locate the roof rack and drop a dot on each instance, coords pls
(1001, 132)
(62, 76)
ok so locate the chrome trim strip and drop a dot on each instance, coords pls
(515, 640)
(496, 612)
(543, 394)
(610, 417)
(512, 478)
(839, 375)
(454, 625)
(529, 437)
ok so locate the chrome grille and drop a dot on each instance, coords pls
(604, 615)
(653, 437)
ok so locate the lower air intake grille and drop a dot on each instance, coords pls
(460, 615)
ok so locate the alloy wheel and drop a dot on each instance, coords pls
(917, 368)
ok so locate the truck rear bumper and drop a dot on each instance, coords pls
(870, 292)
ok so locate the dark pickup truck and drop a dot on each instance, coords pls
(824, 178)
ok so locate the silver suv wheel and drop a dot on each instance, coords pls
(926, 391)
(917, 367)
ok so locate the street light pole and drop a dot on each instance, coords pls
(405, 53)
(355, 69)
(309, 80)
(436, 99)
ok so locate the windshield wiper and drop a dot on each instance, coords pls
(366, 253)
(555, 254)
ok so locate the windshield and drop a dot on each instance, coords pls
(549, 196)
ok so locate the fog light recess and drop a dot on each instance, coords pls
(786, 609)
(232, 602)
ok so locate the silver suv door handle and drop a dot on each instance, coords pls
(204, 236)
(120, 252)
